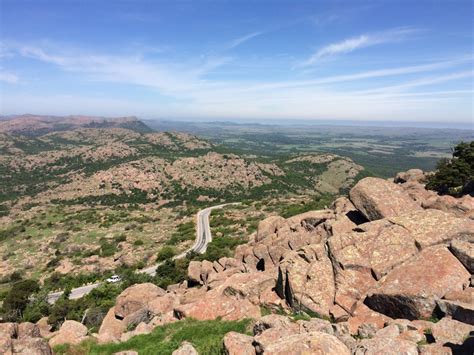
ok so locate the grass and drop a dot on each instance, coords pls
(205, 336)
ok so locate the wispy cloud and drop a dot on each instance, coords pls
(9, 78)
(238, 41)
(353, 43)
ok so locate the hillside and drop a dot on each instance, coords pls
(86, 196)
(386, 270)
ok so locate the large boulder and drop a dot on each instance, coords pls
(411, 289)
(377, 198)
(376, 246)
(185, 349)
(306, 279)
(135, 298)
(307, 343)
(238, 344)
(464, 251)
(268, 227)
(111, 328)
(214, 305)
(28, 330)
(431, 227)
(412, 175)
(451, 331)
(31, 346)
(386, 346)
(461, 207)
(71, 332)
(250, 286)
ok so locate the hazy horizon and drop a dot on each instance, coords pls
(391, 62)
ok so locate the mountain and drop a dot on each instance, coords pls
(100, 194)
(387, 269)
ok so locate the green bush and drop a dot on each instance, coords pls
(167, 252)
(17, 299)
(455, 176)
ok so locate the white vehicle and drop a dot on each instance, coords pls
(114, 279)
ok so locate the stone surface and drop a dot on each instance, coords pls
(464, 251)
(410, 290)
(461, 311)
(135, 298)
(238, 344)
(31, 346)
(431, 227)
(306, 279)
(111, 328)
(70, 332)
(28, 330)
(386, 346)
(185, 349)
(215, 305)
(308, 343)
(377, 198)
(451, 331)
(250, 286)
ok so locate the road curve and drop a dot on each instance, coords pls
(203, 238)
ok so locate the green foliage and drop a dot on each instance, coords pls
(205, 336)
(172, 272)
(317, 203)
(17, 299)
(184, 231)
(455, 176)
(220, 247)
(165, 253)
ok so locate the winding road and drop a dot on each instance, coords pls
(203, 238)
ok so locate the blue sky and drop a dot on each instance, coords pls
(329, 60)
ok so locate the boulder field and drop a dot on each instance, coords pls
(387, 270)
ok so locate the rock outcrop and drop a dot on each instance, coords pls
(377, 265)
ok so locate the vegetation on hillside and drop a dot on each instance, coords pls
(455, 176)
(205, 336)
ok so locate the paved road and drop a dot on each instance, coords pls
(203, 238)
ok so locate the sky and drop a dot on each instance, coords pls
(399, 61)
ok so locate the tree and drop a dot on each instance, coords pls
(18, 298)
(455, 176)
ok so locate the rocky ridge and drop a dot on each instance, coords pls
(373, 273)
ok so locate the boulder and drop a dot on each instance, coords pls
(386, 346)
(268, 227)
(163, 304)
(215, 305)
(306, 279)
(461, 311)
(307, 343)
(194, 272)
(111, 328)
(410, 290)
(44, 327)
(431, 227)
(460, 207)
(32, 346)
(71, 332)
(135, 298)
(434, 349)
(249, 286)
(28, 330)
(9, 330)
(450, 331)
(363, 316)
(238, 344)
(376, 246)
(185, 349)
(412, 175)
(377, 198)
(464, 251)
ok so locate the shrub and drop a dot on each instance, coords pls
(455, 176)
(167, 252)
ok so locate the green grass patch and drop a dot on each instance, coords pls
(205, 336)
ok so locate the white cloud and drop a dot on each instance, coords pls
(238, 41)
(8, 77)
(351, 44)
